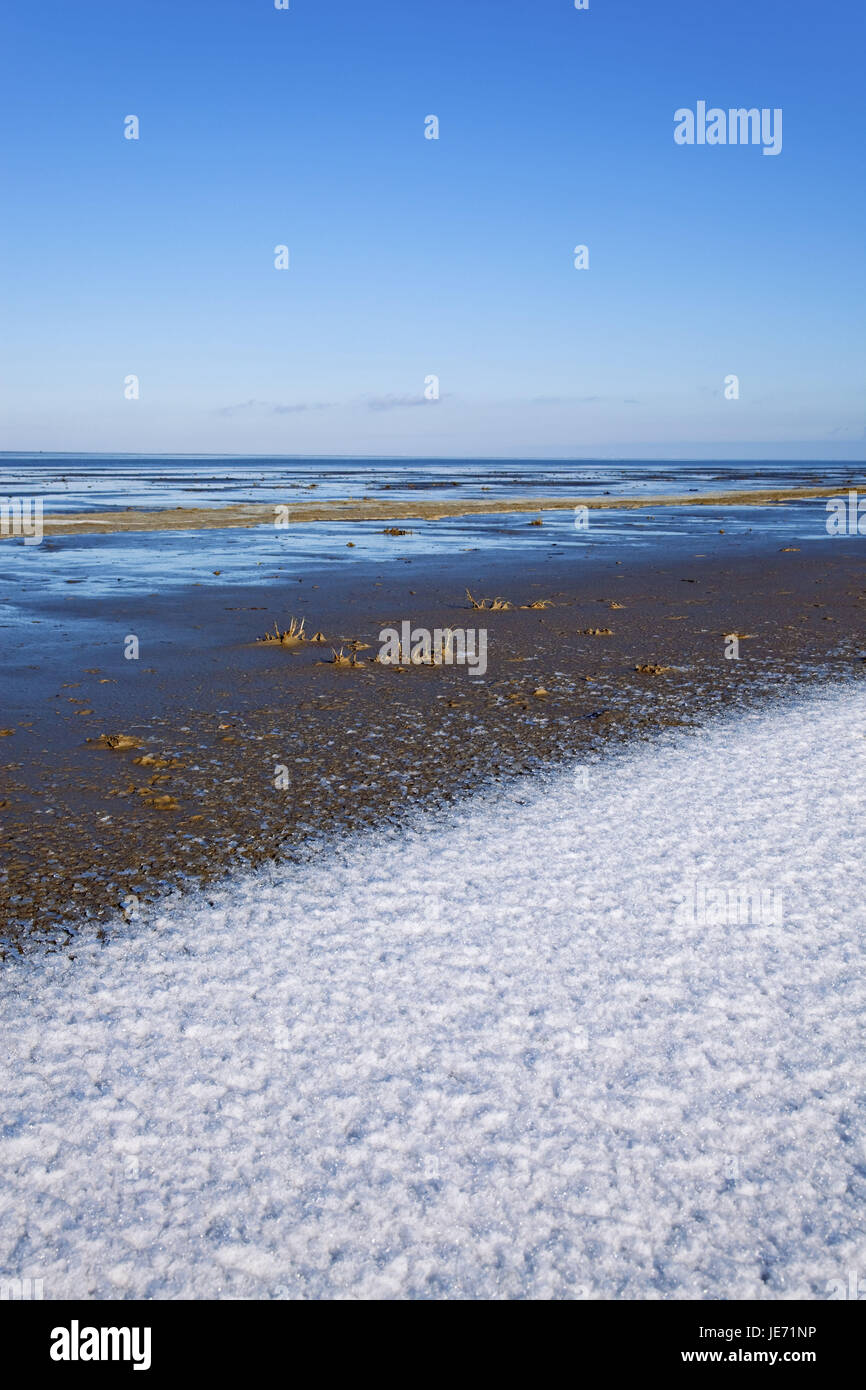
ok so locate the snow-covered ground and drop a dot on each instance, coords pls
(492, 1057)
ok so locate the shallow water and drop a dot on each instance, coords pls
(78, 482)
(159, 561)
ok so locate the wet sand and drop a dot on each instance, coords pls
(372, 509)
(215, 715)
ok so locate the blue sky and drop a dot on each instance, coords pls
(413, 257)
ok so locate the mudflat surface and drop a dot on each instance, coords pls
(86, 828)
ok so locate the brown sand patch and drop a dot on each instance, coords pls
(293, 636)
(350, 509)
(115, 741)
